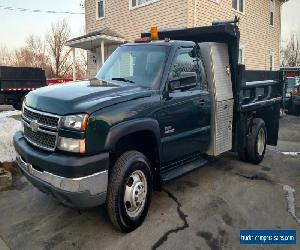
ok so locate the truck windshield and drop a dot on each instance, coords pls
(142, 65)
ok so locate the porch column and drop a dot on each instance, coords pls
(74, 64)
(102, 52)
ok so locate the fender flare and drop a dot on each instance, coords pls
(128, 127)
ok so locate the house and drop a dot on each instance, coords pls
(110, 23)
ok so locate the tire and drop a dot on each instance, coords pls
(243, 154)
(18, 103)
(129, 191)
(257, 141)
(297, 110)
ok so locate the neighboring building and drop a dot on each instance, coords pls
(112, 22)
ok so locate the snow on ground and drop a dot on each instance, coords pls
(8, 127)
(9, 113)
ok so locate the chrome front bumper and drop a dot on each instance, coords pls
(88, 191)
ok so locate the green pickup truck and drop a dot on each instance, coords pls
(155, 111)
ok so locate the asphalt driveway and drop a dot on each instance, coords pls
(203, 210)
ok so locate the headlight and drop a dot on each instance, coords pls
(71, 145)
(77, 122)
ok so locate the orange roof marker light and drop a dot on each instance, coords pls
(154, 33)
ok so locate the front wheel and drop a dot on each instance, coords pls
(257, 141)
(129, 191)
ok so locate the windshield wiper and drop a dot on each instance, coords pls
(122, 79)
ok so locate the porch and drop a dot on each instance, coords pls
(99, 46)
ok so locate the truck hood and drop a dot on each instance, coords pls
(82, 97)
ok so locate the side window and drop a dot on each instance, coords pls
(238, 5)
(100, 9)
(184, 62)
(272, 12)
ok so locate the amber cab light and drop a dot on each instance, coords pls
(154, 33)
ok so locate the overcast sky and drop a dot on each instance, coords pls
(15, 26)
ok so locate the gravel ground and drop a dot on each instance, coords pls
(203, 210)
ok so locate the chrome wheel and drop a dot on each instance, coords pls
(135, 194)
(261, 142)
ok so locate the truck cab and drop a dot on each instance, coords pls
(156, 110)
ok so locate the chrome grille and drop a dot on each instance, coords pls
(48, 120)
(44, 133)
(40, 139)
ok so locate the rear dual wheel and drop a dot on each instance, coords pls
(129, 191)
(256, 143)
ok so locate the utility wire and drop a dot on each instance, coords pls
(39, 11)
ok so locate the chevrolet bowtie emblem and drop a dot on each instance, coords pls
(34, 126)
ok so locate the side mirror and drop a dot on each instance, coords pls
(260, 97)
(186, 80)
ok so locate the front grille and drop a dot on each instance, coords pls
(40, 139)
(43, 119)
(40, 129)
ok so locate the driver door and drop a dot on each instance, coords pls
(185, 114)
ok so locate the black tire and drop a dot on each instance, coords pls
(18, 103)
(243, 154)
(297, 110)
(256, 154)
(127, 165)
(294, 109)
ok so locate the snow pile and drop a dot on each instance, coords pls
(8, 127)
(9, 113)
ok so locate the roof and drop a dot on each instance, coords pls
(104, 31)
(93, 39)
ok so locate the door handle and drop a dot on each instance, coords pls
(201, 102)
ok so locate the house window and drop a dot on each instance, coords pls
(271, 61)
(238, 5)
(272, 12)
(139, 3)
(100, 9)
(242, 55)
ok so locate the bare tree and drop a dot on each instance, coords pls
(290, 54)
(49, 53)
(59, 54)
(33, 54)
(6, 58)
(81, 64)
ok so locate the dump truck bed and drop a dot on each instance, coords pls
(21, 78)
